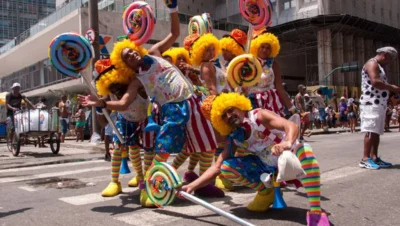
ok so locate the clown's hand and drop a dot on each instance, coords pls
(185, 188)
(172, 5)
(89, 101)
(277, 149)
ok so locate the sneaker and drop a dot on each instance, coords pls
(368, 164)
(382, 163)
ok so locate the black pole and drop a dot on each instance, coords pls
(94, 24)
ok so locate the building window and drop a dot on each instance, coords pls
(289, 4)
(286, 5)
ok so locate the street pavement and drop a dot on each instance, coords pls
(39, 188)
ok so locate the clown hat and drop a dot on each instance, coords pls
(239, 36)
(189, 40)
(101, 67)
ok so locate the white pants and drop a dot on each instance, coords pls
(372, 118)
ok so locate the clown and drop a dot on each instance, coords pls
(180, 57)
(268, 93)
(264, 135)
(130, 124)
(131, 97)
(232, 45)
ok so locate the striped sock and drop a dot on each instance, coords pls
(161, 157)
(240, 152)
(234, 176)
(180, 159)
(311, 181)
(193, 160)
(206, 159)
(115, 163)
(136, 159)
(148, 159)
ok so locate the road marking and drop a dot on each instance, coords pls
(340, 173)
(143, 218)
(93, 198)
(50, 166)
(57, 174)
(29, 188)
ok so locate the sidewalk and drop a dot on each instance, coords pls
(99, 148)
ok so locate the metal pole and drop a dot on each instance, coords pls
(94, 24)
(215, 209)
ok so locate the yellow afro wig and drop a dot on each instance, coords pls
(199, 46)
(111, 77)
(116, 55)
(234, 42)
(262, 39)
(167, 53)
(221, 103)
(175, 52)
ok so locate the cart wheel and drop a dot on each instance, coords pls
(16, 145)
(55, 143)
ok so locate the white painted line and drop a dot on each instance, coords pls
(50, 166)
(56, 174)
(29, 188)
(92, 198)
(341, 173)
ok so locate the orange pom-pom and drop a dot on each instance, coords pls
(239, 36)
(206, 107)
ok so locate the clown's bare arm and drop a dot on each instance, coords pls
(278, 85)
(272, 121)
(207, 73)
(210, 174)
(167, 42)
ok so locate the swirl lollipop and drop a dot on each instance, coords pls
(256, 12)
(70, 53)
(244, 70)
(200, 24)
(138, 22)
(161, 183)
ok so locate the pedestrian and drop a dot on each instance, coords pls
(301, 106)
(373, 104)
(319, 101)
(64, 117)
(343, 113)
(80, 123)
(309, 109)
(352, 116)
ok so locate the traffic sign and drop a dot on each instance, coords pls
(90, 35)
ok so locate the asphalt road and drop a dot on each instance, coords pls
(31, 193)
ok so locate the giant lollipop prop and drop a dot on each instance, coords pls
(200, 24)
(71, 53)
(138, 22)
(244, 71)
(162, 185)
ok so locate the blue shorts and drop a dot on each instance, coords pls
(250, 167)
(64, 125)
(172, 135)
(322, 114)
(128, 130)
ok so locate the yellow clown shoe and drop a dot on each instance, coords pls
(144, 200)
(113, 189)
(223, 183)
(262, 201)
(134, 182)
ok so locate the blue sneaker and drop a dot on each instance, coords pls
(382, 163)
(369, 164)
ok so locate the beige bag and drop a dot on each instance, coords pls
(289, 167)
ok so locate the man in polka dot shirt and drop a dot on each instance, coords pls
(373, 104)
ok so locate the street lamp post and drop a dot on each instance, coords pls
(344, 68)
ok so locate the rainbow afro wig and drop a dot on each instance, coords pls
(262, 37)
(199, 46)
(221, 103)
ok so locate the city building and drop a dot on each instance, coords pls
(16, 17)
(316, 37)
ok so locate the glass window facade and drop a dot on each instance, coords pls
(17, 16)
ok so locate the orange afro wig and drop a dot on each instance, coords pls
(206, 106)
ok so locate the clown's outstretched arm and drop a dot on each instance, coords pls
(117, 105)
(278, 85)
(209, 175)
(207, 73)
(272, 121)
(167, 42)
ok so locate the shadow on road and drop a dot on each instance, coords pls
(5, 214)
(40, 155)
(292, 214)
(184, 216)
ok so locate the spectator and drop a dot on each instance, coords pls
(375, 94)
(309, 109)
(64, 117)
(319, 101)
(80, 123)
(352, 114)
(343, 113)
